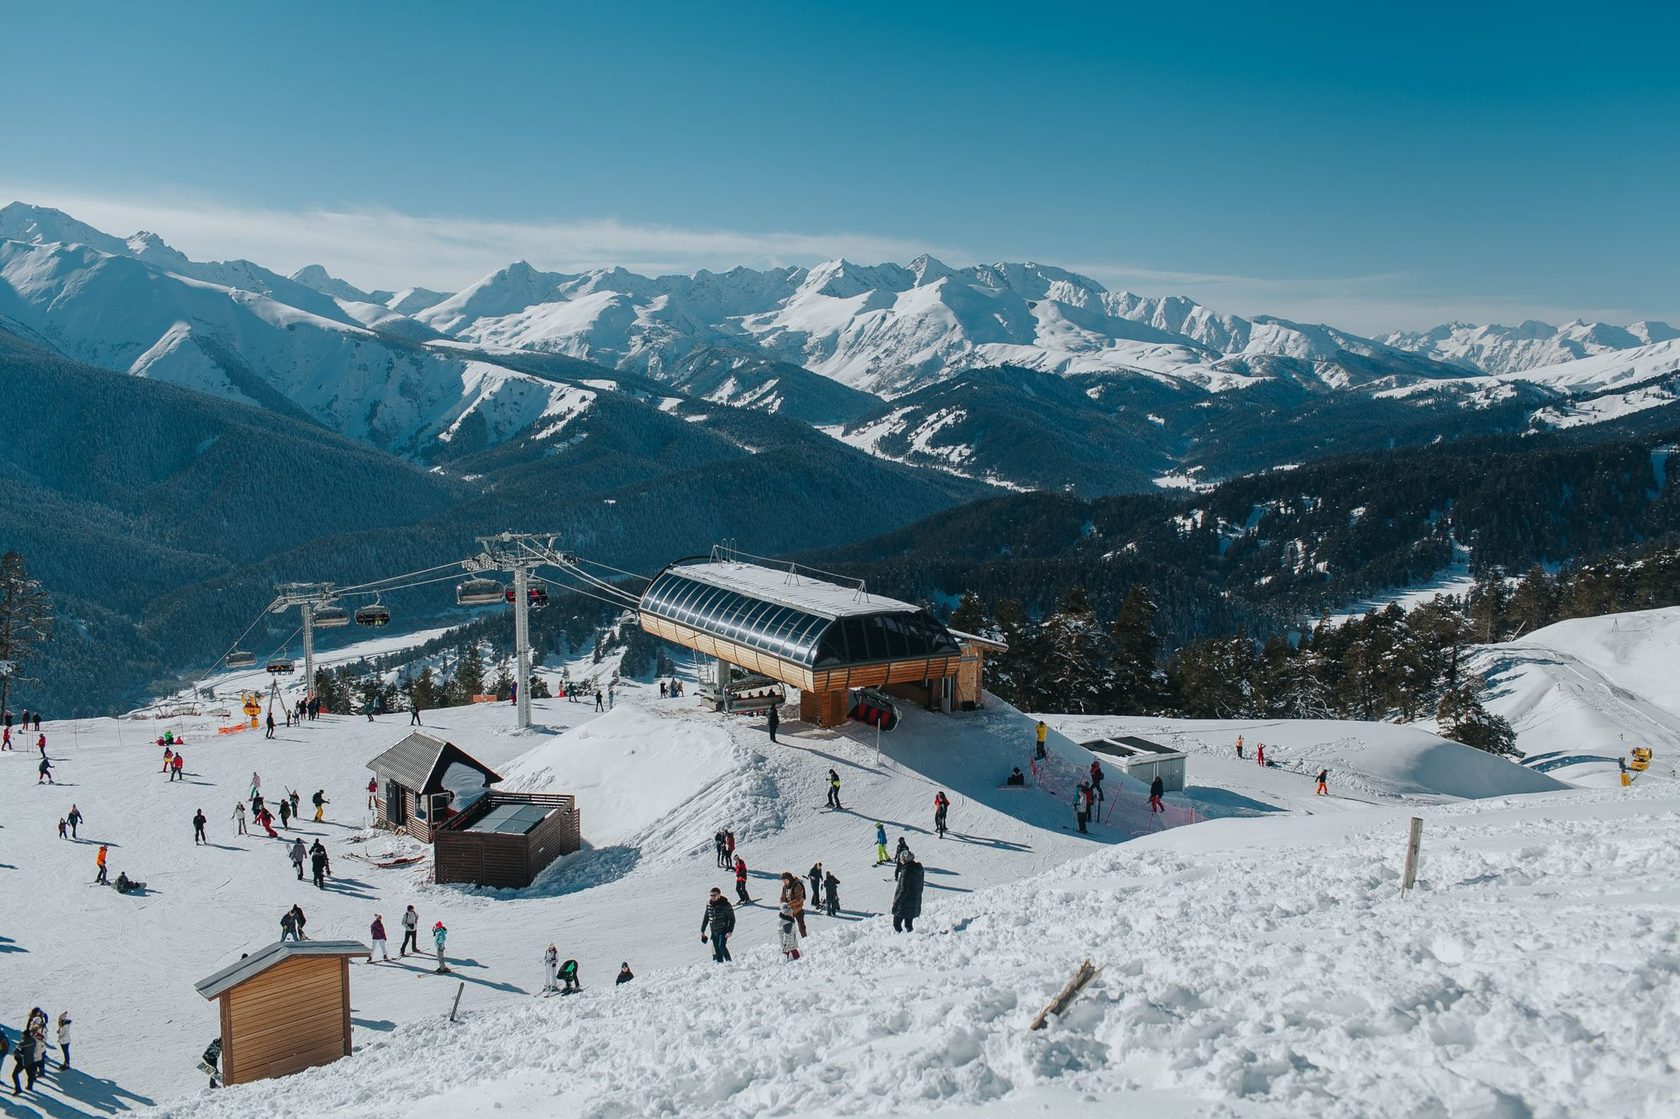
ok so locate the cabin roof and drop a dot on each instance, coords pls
(419, 761)
(279, 952)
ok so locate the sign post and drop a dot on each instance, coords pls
(1413, 842)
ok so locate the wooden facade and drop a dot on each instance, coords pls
(284, 1009)
(970, 686)
(409, 795)
(500, 859)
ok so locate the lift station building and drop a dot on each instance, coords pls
(810, 633)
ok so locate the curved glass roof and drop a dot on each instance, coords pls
(799, 624)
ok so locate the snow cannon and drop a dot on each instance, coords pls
(1641, 759)
(252, 707)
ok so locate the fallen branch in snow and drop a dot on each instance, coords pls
(1064, 998)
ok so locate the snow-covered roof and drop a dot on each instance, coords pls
(419, 760)
(264, 958)
(794, 588)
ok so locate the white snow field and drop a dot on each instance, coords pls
(1582, 693)
(1260, 964)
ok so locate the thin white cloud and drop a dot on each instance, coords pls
(382, 248)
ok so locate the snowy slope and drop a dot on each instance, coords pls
(1528, 345)
(1581, 693)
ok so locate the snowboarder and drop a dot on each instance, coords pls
(881, 856)
(298, 853)
(907, 898)
(127, 885)
(772, 720)
(239, 816)
(793, 898)
(376, 933)
(1323, 776)
(74, 819)
(199, 820)
(410, 923)
(1042, 732)
(790, 934)
(1156, 788)
(551, 967)
(569, 984)
(831, 893)
(1097, 778)
(833, 789)
(320, 801)
(815, 878)
(624, 972)
(99, 861)
(439, 935)
(741, 880)
(720, 920)
(717, 844)
(941, 805)
(63, 1040)
(901, 856)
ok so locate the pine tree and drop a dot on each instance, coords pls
(1487, 608)
(26, 620)
(1533, 604)
(469, 674)
(970, 615)
(1078, 667)
(1462, 718)
(1137, 677)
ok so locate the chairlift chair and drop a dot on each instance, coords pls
(479, 592)
(281, 667)
(374, 614)
(239, 659)
(331, 617)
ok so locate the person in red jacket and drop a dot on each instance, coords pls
(1260, 754)
(741, 880)
(1097, 776)
(941, 805)
(175, 764)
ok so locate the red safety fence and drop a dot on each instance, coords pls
(1060, 777)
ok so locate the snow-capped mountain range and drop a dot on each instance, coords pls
(881, 356)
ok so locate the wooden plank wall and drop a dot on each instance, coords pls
(291, 1017)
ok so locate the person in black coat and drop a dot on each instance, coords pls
(907, 897)
(719, 922)
(773, 720)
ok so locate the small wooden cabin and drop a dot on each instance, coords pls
(969, 691)
(413, 794)
(505, 839)
(284, 1008)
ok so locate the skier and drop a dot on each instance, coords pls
(793, 898)
(790, 934)
(1239, 748)
(1079, 808)
(551, 967)
(239, 816)
(293, 795)
(298, 854)
(1097, 778)
(901, 856)
(439, 935)
(1260, 754)
(831, 894)
(1323, 776)
(320, 801)
(741, 880)
(815, 877)
(63, 1040)
(624, 972)
(376, 933)
(907, 898)
(99, 861)
(772, 720)
(717, 844)
(720, 919)
(1156, 788)
(1042, 732)
(288, 925)
(43, 772)
(175, 765)
(256, 785)
(266, 819)
(410, 924)
(74, 819)
(881, 856)
(199, 820)
(569, 984)
(269, 733)
(941, 805)
(833, 789)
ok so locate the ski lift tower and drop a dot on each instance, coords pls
(307, 597)
(518, 554)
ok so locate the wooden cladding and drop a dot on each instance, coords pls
(294, 1016)
(823, 709)
(499, 859)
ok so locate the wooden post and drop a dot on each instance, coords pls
(1064, 998)
(462, 986)
(1415, 840)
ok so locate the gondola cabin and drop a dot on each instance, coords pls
(422, 781)
(284, 1008)
(479, 592)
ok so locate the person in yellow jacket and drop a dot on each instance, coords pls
(1038, 752)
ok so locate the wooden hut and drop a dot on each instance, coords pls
(412, 795)
(810, 633)
(284, 1008)
(970, 689)
(505, 839)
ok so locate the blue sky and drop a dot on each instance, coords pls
(1368, 165)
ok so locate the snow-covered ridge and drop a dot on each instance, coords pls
(1530, 344)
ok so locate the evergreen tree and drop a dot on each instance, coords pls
(1487, 608)
(1533, 603)
(1137, 678)
(502, 685)
(26, 620)
(1462, 718)
(1078, 667)
(970, 615)
(469, 674)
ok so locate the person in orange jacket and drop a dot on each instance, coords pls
(99, 861)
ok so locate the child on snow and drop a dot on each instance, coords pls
(790, 934)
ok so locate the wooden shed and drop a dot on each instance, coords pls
(415, 788)
(505, 839)
(970, 689)
(284, 1008)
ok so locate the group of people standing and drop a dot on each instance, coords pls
(29, 1056)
